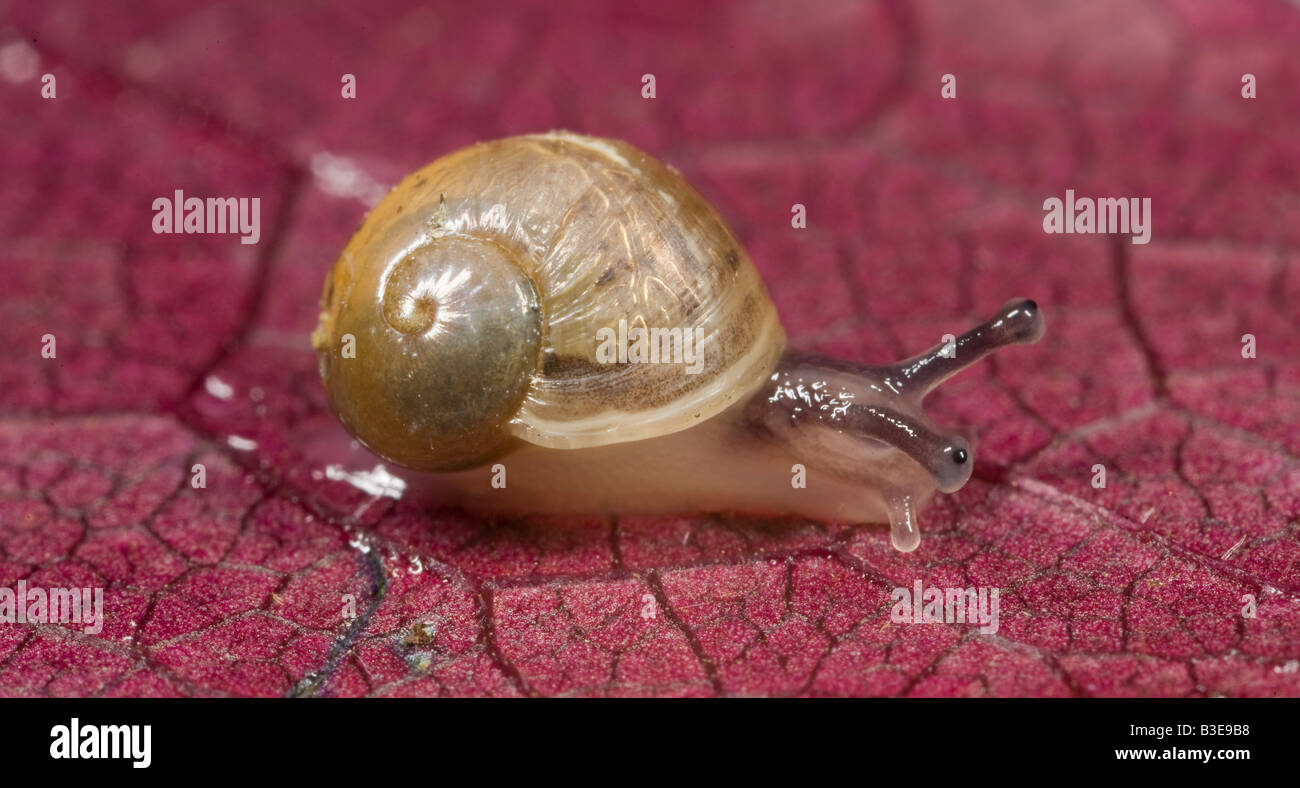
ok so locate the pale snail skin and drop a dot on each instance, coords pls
(474, 293)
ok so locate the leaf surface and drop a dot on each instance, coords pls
(289, 575)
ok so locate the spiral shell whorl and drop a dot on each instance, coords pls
(447, 339)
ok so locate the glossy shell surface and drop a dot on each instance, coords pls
(559, 236)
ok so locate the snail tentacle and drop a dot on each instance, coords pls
(1019, 321)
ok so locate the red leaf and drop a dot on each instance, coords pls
(286, 575)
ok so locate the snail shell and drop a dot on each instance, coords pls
(475, 288)
(461, 324)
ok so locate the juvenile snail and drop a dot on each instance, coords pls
(480, 299)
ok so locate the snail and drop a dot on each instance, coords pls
(500, 312)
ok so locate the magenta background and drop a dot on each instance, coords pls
(924, 215)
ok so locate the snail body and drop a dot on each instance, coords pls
(572, 309)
